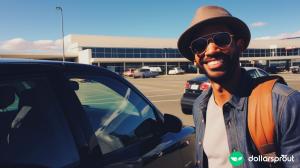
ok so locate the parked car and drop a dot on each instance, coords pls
(55, 114)
(295, 69)
(175, 71)
(272, 69)
(153, 69)
(195, 86)
(144, 73)
(129, 72)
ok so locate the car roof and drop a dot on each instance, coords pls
(20, 60)
(249, 68)
(13, 64)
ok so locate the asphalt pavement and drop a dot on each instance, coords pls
(165, 91)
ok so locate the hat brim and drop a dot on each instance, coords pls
(239, 28)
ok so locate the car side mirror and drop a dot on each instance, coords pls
(188, 111)
(171, 123)
(147, 127)
(74, 85)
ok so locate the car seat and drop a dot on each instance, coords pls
(7, 98)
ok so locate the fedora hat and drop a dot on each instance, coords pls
(210, 15)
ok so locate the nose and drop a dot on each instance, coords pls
(211, 49)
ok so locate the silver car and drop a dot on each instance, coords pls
(144, 73)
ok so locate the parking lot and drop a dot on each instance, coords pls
(165, 91)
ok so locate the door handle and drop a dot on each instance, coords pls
(159, 154)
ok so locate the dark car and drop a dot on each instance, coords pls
(195, 86)
(55, 114)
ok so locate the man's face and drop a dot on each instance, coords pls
(218, 63)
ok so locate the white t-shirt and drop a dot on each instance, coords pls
(215, 142)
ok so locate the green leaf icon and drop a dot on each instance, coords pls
(236, 158)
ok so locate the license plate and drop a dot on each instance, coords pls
(194, 87)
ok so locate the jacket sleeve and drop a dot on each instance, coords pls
(290, 130)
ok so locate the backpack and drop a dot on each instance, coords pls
(261, 122)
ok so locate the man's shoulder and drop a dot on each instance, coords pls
(283, 90)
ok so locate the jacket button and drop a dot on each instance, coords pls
(229, 123)
(200, 143)
(202, 120)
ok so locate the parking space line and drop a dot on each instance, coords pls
(159, 101)
(164, 95)
(156, 90)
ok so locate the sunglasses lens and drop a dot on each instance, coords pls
(222, 39)
(199, 45)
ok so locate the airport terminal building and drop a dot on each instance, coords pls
(121, 53)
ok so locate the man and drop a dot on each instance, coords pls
(214, 41)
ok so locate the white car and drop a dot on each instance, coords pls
(295, 69)
(176, 70)
(153, 69)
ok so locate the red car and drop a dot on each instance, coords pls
(129, 72)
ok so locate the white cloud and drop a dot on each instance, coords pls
(258, 24)
(15, 44)
(280, 36)
(22, 45)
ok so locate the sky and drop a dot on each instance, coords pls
(35, 25)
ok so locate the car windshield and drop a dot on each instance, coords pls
(145, 70)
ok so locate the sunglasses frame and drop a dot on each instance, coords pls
(211, 39)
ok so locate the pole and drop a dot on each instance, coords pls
(62, 30)
(166, 63)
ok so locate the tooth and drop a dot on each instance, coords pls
(213, 62)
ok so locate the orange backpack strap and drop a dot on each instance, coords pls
(260, 117)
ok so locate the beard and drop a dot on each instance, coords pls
(231, 63)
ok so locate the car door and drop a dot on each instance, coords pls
(34, 131)
(126, 126)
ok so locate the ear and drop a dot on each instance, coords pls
(196, 60)
(195, 63)
(240, 43)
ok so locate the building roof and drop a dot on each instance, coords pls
(116, 41)
(143, 42)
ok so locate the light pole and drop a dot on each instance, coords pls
(166, 63)
(62, 30)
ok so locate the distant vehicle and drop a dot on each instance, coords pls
(144, 73)
(91, 117)
(129, 72)
(175, 71)
(153, 69)
(270, 69)
(195, 86)
(295, 69)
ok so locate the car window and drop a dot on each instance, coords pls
(115, 111)
(262, 73)
(33, 130)
(253, 73)
(145, 70)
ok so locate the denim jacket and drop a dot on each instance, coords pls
(286, 112)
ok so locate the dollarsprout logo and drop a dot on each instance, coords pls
(236, 158)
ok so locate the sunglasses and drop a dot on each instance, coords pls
(221, 39)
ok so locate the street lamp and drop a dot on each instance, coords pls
(166, 63)
(62, 30)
